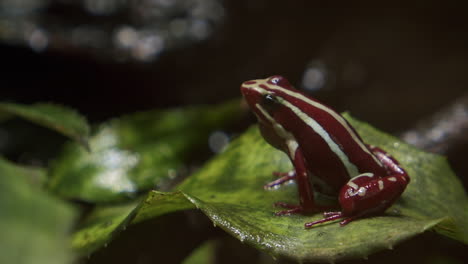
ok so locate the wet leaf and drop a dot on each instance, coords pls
(105, 222)
(434, 190)
(59, 118)
(101, 226)
(229, 191)
(137, 152)
(34, 227)
(159, 203)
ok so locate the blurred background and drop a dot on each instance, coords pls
(389, 66)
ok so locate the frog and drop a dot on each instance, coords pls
(328, 155)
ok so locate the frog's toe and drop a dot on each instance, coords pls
(328, 214)
(291, 209)
(332, 217)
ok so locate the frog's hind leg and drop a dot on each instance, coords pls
(284, 177)
(329, 216)
(291, 209)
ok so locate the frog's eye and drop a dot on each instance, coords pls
(275, 80)
(270, 102)
(279, 81)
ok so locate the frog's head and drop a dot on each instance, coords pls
(266, 96)
(269, 100)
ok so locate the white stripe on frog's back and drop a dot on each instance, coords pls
(317, 128)
(350, 167)
(322, 107)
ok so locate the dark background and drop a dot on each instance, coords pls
(389, 66)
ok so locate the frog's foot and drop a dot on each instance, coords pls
(284, 177)
(292, 209)
(299, 209)
(330, 216)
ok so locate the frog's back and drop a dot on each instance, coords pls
(334, 151)
(292, 121)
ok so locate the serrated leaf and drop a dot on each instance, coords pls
(34, 227)
(159, 203)
(229, 191)
(101, 226)
(434, 191)
(105, 222)
(137, 152)
(59, 118)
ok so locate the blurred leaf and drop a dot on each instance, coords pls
(137, 152)
(33, 226)
(229, 191)
(34, 176)
(204, 254)
(59, 118)
(101, 226)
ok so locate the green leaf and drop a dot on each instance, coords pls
(34, 176)
(204, 254)
(105, 222)
(34, 227)
(137, 152)
(160, 203)
(434, 190)
(59, 118)
(101, 226)
(229, 191)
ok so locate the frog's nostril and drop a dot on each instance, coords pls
(246, 86)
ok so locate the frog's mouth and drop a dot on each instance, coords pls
(251, 95)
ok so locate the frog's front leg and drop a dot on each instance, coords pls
(284, 177)
(305, 190)
(369, 194)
